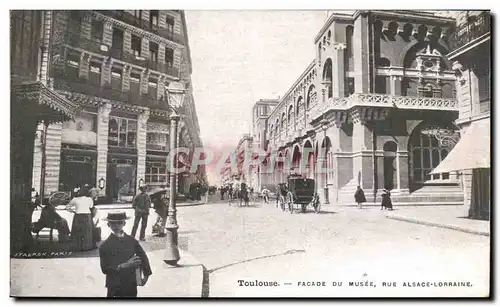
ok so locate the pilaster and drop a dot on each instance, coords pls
(86, 28)
(403, 177)
(142, 123)
(37, 159)
(161, 87)
(83, 70)
(102, 144)
(53, 158)
(144, 81)
(126, 78)
(161, 53)
(162, 19)
(127, 41)
(361, 54)
(106, 71)
(145, 47)
(107, 37)
(338, 70)
(362, 145)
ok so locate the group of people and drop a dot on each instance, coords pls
(359, 197)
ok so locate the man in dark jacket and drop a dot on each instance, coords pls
(121, 256)
(141, 204)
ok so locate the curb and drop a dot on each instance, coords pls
(452, 227)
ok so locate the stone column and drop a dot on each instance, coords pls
(161, 53)
(396, 85)
(403, 177)
(144, 82)
(106, 71)
(127, 41)
(142, 123)
(53, 158)
(37, 159)
(102, 145)
(338, 70)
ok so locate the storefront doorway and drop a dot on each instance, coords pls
(76, 170)
(121, 180)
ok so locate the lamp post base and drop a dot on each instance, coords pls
(171, 255)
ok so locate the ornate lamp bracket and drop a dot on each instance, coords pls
(447, 137)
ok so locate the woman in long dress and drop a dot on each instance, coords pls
(81, 229)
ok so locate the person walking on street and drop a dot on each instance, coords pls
(386, 200)
(141, 205)
(265, 194)
(122, 259)
(359, 197)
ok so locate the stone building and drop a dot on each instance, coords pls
(470, 52)
(116, 66)
(33, 102)
(367, 108)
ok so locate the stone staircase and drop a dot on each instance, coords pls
(428, 195)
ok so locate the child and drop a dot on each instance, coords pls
(359, 197)
(120, 256)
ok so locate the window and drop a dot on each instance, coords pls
(170, 22)
(169, 56)
(72, 65)
(97, 30)
(95, 73)
(426, 154)
(136, 45)
(156, 172)
(122, 132)
(153, 18)
(153, 88)
(138, 14)
(135, 84)
(153, 52)
(157, 141)
(116, 79)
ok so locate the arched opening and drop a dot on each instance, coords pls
(278, 168)
(319, 52)
(426, 151)
(327, 77)
(277, 129)
(290, 115)
(348, 55)
(300, 107)
(390, 155)
(295, 167)
(283, 122)
(308, 156)
(311, 96)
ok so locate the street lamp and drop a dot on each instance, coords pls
(141, 182)
(101, 183)
(175, 98)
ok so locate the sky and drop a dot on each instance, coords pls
(239, 57)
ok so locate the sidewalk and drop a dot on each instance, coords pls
(129, 205)
(450, 217)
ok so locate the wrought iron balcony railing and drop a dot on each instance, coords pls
(474, 28)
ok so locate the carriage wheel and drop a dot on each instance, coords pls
(59, 199)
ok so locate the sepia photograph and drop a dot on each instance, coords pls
(312, 153)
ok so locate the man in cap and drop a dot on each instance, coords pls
(141, 204)
(122, 259)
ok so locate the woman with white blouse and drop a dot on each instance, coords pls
(81, 229)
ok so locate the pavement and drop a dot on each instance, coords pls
(260, 243)
(450, 217)
(79, 274)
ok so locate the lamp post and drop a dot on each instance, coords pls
(175, 99)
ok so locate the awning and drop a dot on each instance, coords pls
(52, 106)
(472, 151)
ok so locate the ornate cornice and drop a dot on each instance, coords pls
(135, 30)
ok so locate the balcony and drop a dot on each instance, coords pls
(467, 33)
(78, 41)
(83, 86)
(143, 24)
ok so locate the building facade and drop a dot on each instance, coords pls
(116, 66)
(34, 106)
(470, 52)
(366, 110)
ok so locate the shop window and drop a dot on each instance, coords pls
(156, 172)
(122, 132)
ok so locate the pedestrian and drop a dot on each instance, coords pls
(122, 259)
(265, 194)
(359, 197)
(141, 205)
(82, 226)
(386, 200)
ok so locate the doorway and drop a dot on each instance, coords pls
(76, 171)
(390, 153)
(121, 180)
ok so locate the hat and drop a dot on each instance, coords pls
(143, 188)
(116, 216)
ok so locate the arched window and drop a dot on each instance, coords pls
(327, 77)
(290, 115)
(426, 154)
(300, 107)
(283, 122)
(311, 97)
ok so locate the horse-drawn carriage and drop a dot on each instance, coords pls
(298, 192)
